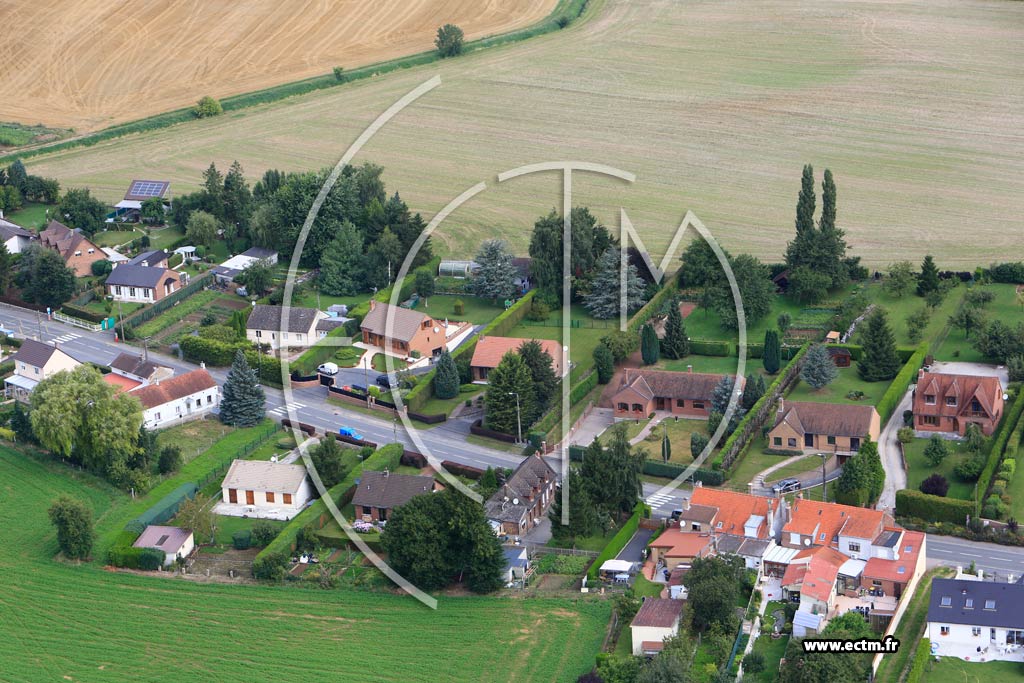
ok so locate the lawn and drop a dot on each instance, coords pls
(919, 469)
(595, 543)
(837, 391)
(111, 238)
(955, 669)
(754, 461)
(898, 308)
(193, 437)
(228, 526)
(311, 299)
(773, 650)
(679, 432)
(379, 363)
(475, 310)
(704, 323)
(436, 406)
(32, 215)
(722, 365)
(582, 340)
(89, 624)
(1005, 307)
(810, 462)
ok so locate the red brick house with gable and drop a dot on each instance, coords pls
(948, 403)
(641, 392)
(73, 246)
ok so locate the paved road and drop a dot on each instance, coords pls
(889, 450)
(997, 560)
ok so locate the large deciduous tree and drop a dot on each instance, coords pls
(756, 289)
(201, 228)
(242, 399)
(449, 40)
(257, 277)
(328, 460)
(900, 279)
(79, 209)
(496, 277)
(878, 360)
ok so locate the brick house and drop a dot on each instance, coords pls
(891, 576)
(380, 492)
(490, 350)
(823, 427)
(641, 392)
(73, 246)
(948, 403)
(142, 284)
(410, 332)
(524, 499)
(656, 620)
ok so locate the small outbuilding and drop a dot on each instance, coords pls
(174, 541)
(656, 620)
(840, 356)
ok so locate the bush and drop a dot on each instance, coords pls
(170, 460)
(935, 485)
(207, 106)
(241, 540)
(539, 311)
(969, 470)
(994, 508)
(753, 663)
(1007, 469)
(910, 503)
(905, 435)
(339, 74)
(270, 567)
(101, 267)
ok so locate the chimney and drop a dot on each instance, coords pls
(698, 484)
(385, 472)
(920, 373)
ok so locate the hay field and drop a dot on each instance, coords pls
(916, 106)
(92, 63)
(68, 623)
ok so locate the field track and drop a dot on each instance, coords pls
(715, 105)
(91, 63)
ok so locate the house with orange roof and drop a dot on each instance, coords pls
(729, 512)
(891, 576)
(811, 579)
(675, 547)
(182, 398)
(947, 403)
(490, 350)
(855, 532)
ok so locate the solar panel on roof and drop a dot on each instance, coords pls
(147, 188)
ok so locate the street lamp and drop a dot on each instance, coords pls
(519, 417)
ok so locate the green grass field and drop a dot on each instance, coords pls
(86, 624)
(836, 392)
(1006, 307)
(679, 433)
(898, 308)
(475, 310)
(110, 238)
(31, 215)
(754, 461)
(919, 469)
(698, 97)
(954, 669)
(582, 340)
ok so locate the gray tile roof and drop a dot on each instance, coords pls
(263, 475)
(389, 490)
(1007, 600)
(128, 275)
(151, 257)
(166, 538)
(134, 364)
(259, 253)
(36, 354)
(9, 230)
(532, 472)
(264, 317)
(406, 324)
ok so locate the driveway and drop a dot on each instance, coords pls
(596, 422)
(634, 549)
(889, 450)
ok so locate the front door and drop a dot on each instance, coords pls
(809, 440)
(232, 496)
(250, 498)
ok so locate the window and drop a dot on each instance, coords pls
(777, 441)
(908, 549)
(975, 631)
(901, 569)
(92, 251)
(131, 291)
(284, 335)
(78, 253)
(944, 630)
(157, 416)
(117, 290)
(951, 401)
(718, 525)
(287, 498)
(831, 441)
(969, 603)
(975, 406)
(821, 536)
(695, 526)
(698, 405)
(177, 409)
(929, 399)
(270, 496)
(638, 408)
(946, 601)
(990, 604)
(791, 442)
(930, 420)
(876, 583)
(37, 370)
(259, 333)
(680, 403)
(854, 547)
(209, 400)
(367, 510)
(623, 406)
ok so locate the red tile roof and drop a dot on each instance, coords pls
(734, 509)
(809, 517)
(159, 393)
(901, 570)
(820, 580)
(667, 384)
(681, 543)
(120, 382)
(490, 350)
(987, 390)
(658, 613)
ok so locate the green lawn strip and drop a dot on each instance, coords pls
(217, 456)
(193, 437)
(837, 391)
(704, 323)
(486, 442)
(919, 469)
(32, 215)
(755, 461)
(956, 669)
(379, 363)
(773, 650)
(475, 310)
(111, 238)
(595, 543)
(679, 433)
(437, 406)
(1006, 307)
(898, 308)
(910, 629)
(811, 462)
(228, 526)
(310, 299)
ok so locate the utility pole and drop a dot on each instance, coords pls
(824, 484)
(519, 418)
(120, 314)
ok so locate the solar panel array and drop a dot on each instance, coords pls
(147, 188)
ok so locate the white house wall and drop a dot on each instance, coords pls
(649, 633)
(177, 411)
(961, 634)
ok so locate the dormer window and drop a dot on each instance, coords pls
(951, 401)
(718, 526)
(990, 604)
(78, 253)
(969, 603)
(975, 406)
(821, 537)
(929, 399)
(92, 251)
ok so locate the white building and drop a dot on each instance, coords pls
(179, 399)
(14, 237)
(264, 326)
(34, 362)
(227, 271)
(173, 541)
(977, 620)
(656, 620)
(261, 488)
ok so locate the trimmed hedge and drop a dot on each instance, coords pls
(921, 657)
(317, 514)
(553, 417)
(1010, 423)
(711, 347)
(147, 559)
(221, 354)
(618, 542)
(318, 354)
(911, 503)
(648, 310)
(164, 509)
(657, 468)
(83, 313)
(894, 394)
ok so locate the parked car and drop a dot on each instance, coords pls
(787, 485)
(328, 369)
(387, 380)
(349, 432)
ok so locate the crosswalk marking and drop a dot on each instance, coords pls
(65, 338)
(659, 499)
(281, 410)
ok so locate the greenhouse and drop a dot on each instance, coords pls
(458, 269)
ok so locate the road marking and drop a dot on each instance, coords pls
(65, 338)
(659, 499)
(281, 410)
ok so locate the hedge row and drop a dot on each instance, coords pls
(500, 326)
(759, 413)
(83, 313)
(912, 503)
(657, 468)
(618, 542)
(221, 354)
(995, 456)
(147, 559)
(553, 417)
(649, 309)
(387, 457)
(898, 388)
(921, 657)
(711, 347)
(164, 509)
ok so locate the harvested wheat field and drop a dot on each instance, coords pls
(92, 63)
(715, 105)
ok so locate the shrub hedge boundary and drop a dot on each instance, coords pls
(618, 541)
(911, 503)
(898, 387)
(995, 457)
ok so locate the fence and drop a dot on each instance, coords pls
(160, 306)
(77, 322)
(535, 549)
(217, 472)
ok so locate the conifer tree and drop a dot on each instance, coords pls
(928, 280)
(676, 344)
(818, 369)
(771, 357)
(878, 360)
(605, 298)
(446, 377)
(509, 380)
(649, 345)
(242, 401)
